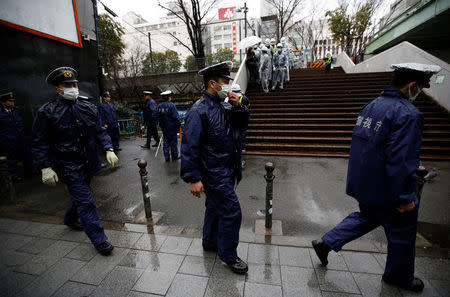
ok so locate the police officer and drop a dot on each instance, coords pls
(12, 137)
(107, 113)
(286, 50)
(279, 67)
(64, 144)
(265, 69)
(211, 161)
(328, 59)
(384, 155)
(169, 121)
(150, 120)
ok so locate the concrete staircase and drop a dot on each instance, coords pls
(315, 113)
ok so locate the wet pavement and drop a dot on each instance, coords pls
(39, 259)
(309, 194)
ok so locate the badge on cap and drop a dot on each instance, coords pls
(67, 74)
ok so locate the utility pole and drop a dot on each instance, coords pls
(245, 18)
(99, 57)
(151, 52)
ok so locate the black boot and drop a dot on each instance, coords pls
(105, 248)
(155, 145)
(322, 250)
(145, 146)
(176, 158)
(238, 266)
(416, 285)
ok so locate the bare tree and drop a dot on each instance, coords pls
(193, 13)
(285, 10)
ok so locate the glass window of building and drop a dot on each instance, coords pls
(217, 37)
(227, 36)
(227, 45)
(226, 27)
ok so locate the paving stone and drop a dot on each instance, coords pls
(35, 229)
(138, 259)
(10, 241)
(36, 246)
(242, 251)
(263, 254)
(335, 261)
(150, 242)
(433, 268)
(74, 235)
(264, 274)
(140, 294)
(100, 266)
(224, 288)
(14, 226)
(37, 265)
(176, 245)
(12, 258)
(83, 252)
(293, 256)
(55, 231)
(122, 238)
(299, 281)
(187, 286)
(73, 289)
(222, 271)
(336, 294)
(197, 266)
(260, 290)
(381, 259)
(441, 286)
(52, 279)
(158, 276)
(337, 281)
(371, 285)
(59, 249)
(362, 262)
(12, 283)
(119, 282)
(196, 249)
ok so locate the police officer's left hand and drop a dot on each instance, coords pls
(111, 158)
(233, 99)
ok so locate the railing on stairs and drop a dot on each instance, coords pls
(242, 75)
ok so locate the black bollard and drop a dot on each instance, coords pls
(8, 192)
(144, 183)
(420, 173)
(269, 193)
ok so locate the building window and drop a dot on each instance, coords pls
(175, 43)
(227, 45)
(217, 28)
(226, 27)
(227, 36)
(217, 46)
(217, 37)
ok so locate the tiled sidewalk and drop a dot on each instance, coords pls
(39, 259)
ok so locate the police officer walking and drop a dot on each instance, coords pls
(279, 67)
(12, 137)
(265, 69)
(150, 120)
(169, 121)
(211, 161)
(64, 144)
(384, 155)
(107, 113)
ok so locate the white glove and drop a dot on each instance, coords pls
(111, 158)
(49, 177)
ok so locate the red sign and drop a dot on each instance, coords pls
(226, 13)
(234, 38)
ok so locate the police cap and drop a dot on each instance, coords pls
(7, 96)
(148, 93)
(62, 75)
(416, 72)
(106, 94)
(221, 70)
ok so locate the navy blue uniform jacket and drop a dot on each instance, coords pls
(168, 118)
(384, 152)
(65, 134)
(150, 112)
(210, 150)
(107, 113)
(11, 130)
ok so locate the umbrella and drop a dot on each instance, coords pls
(248, 41)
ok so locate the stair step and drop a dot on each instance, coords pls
(299, 130)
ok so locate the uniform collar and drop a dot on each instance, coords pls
(393, 92)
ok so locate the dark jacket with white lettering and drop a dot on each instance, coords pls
(168, 118)
(211, 146)
(385, 150)
(65, 135)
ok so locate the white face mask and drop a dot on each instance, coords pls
(413, 97)
(224, 92)
(70, 93)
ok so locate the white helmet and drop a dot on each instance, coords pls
(279, 45)
(265, 49)
(236, 88)
(267, 41)
(283, 40)
(273, 41)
